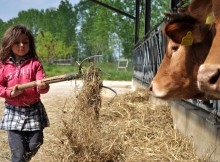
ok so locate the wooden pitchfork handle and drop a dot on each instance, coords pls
(50, 80)
(55, 79)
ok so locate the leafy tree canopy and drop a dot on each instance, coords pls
(86, 28)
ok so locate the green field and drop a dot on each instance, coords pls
(109, 68)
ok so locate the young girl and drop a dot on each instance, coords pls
(24, 117)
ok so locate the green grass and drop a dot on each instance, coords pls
(54, 70)
(109, 68)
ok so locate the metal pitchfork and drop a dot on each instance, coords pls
(56, 79)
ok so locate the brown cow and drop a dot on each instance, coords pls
(209, 72)
(176, 77)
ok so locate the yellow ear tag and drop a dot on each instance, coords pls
(188, 39)
(210, 18)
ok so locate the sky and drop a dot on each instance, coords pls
(10, 8)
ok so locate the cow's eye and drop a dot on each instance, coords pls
(175, 48)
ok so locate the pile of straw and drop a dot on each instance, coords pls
(145, 131)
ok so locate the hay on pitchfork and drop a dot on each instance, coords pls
(82, 126)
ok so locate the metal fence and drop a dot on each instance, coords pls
(148, 55)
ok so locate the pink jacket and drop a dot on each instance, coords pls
(10, 75)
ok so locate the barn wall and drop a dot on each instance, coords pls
(193, 122)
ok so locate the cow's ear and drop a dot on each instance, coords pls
(200, 9)
(181, 24)
(178, 25)
(177, 30)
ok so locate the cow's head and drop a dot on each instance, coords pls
(176, 77)
(209, 72)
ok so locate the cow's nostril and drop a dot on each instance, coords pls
(215, 77)
(150, 88)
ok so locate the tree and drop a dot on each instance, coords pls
(48, 48)
(3, 28)
(100, 25)
(88, 26)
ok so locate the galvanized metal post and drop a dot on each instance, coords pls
(147, 16)
(173, 5)
(137, 21)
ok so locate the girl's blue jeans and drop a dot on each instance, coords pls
(24, 144)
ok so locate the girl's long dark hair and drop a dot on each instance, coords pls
(11, 36)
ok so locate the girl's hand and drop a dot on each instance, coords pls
(15, 92)
(41, 85)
